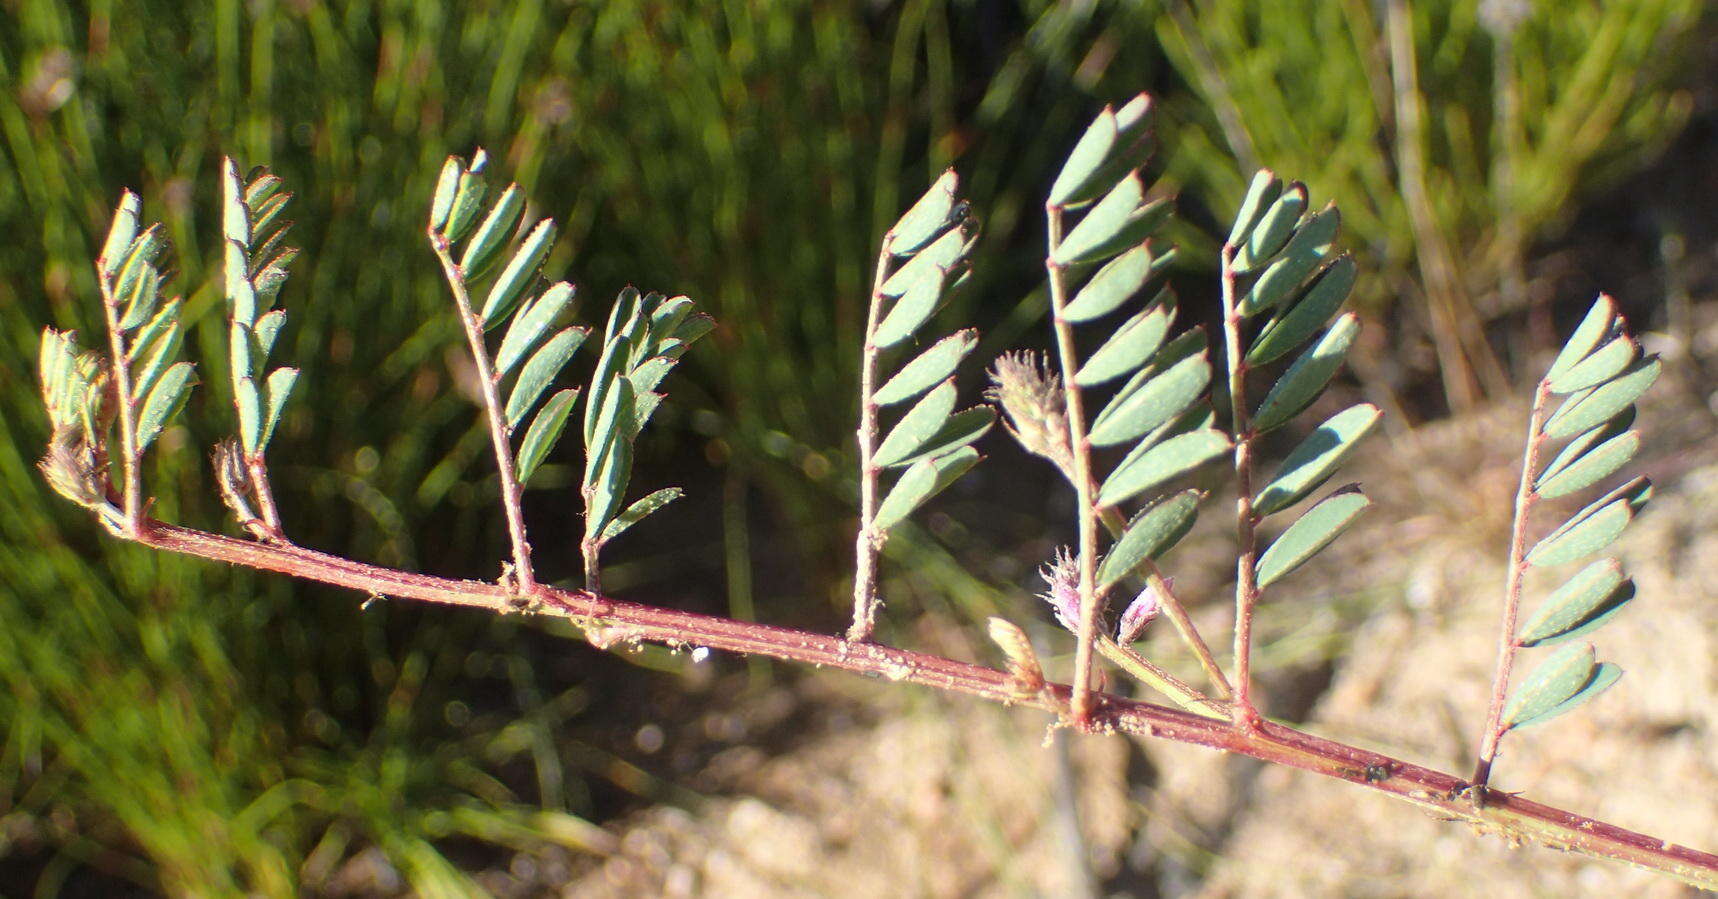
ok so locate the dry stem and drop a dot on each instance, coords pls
(869, 542)
(1246, 521)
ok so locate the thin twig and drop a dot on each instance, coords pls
(1160, 680)
(1246, 521)
(1173, 608)
(1507, 642)
(129, 461)
(512, 495)
(869, 542)
(1446, 795)
(1081, 451)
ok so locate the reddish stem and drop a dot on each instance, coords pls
(1246, 715)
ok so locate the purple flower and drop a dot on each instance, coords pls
(1062, 577)
(1139, 613)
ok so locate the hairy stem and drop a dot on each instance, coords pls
(1081, 451)
(264, 495)
(1246, 520)
(869, 542)
(1507, 643)
(607, 619)
(512, 494)
(129, 456)
(1114, 523)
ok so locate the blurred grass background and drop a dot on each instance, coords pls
(175, 726)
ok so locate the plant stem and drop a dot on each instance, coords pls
(129, 461)
(1160, 680)
(264, 495)
(511, 493)
(1246, 521)
(1081, 451)
(1507, 643)
(869, 542)
(1505, 814)
(1172, 607)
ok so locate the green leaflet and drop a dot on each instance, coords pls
(248, 399)
(1311, 533)
(544, 432)
(1272, 231)
(1115, 142)
(120, 233)
(1291, 328)
(1589, 468)
(1603, 364)
(1548, 691)
(1113, 285)
(1594, 527)
(1586, 408)
(1120, 220)
(1317, 458)
(1132, 344)
(1605, 675)
(921, 481)
(1162, 462)
(1594, 328)
(544, 365)
(1583, 603)
(1150, 534)
(521, 270)
(163, 403)
(467, 203)
(930, 368)
(916, 306)
(917, 427)
(531, 323)
(934, 262)
(154, 348)
(445, 187)
(1133, 412)
(1302, 256)
(491, 236)
(278, 388)
(927, 218)
(639, 510)
(1307, 377)
(1264, 190)
(960, 429)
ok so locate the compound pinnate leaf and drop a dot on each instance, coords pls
(921, 481)
(1132, 344)
(1291, 328)
(1305, 252)
(1113, 285)
(491, 236)
(1161, 396)
(1589, 467)
(914, 308)
(929, 369)
(1261, 193)
(1113, 143)
(639, 510)
(1600, 366)
(1317, 457)
(1594, 527)
(1272, 231)
(544, 432)
(520, 271)
(1555, 681)
(155, 347)
(1162, 462)
(1596, 592)
(1150, 534)
(1593, 329)
(531, 323)
(537, 374)
(1587, 408)
(1311, 533)
(1307, 377)
(927, 218)
(164, 402)
(960, 429)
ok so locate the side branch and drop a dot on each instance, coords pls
(1444, 794)
(869, 543)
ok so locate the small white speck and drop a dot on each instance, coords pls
(700, 654)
